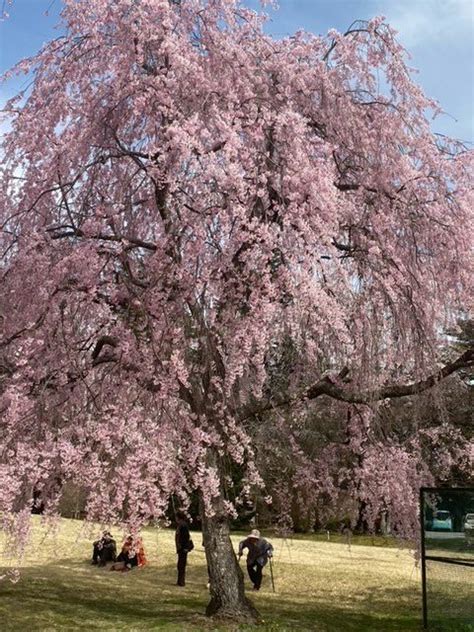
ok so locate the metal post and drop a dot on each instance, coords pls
(271, 574)
(423, 560)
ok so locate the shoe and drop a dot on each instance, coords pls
(256, 588)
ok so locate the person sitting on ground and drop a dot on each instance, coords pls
(131, 555)
(141, 557)
(259, 551)
(104, 550)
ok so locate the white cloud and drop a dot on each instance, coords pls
(429, 21)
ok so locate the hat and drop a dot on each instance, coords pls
(255, 533)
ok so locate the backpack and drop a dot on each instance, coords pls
(190, 545)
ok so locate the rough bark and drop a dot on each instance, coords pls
(228, 600)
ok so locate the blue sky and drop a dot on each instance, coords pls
(439, 35)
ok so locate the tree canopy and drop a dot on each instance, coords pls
(181, 197)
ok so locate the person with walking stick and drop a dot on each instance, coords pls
(259, 551)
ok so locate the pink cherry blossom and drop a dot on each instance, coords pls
(180, 194)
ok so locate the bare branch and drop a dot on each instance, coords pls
(332, 387)
(134, 241)
(327, 387)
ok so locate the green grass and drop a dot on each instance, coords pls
(454, 547)
(355, 540)
(320, 587)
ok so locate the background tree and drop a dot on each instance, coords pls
(181, 196)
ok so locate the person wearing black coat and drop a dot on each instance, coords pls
(184, 544)
(104, 550)
(259, 551)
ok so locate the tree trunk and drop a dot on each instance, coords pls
(226, 579)
(361, 524)
(228, 598)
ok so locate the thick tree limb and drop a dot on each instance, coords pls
(334, 387)
(138, 243)
(103, 340)
(327, 387)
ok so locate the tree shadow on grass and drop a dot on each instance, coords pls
(73, 595)
(382, 610)
(324, 614)
(69, 595)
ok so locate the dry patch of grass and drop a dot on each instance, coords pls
(320, 586)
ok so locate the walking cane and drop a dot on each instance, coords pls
(271, 574)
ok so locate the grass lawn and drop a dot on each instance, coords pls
(320, 586)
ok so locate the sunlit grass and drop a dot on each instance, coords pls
(320, 586)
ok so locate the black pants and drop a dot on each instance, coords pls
(255, 574)
(182, 559)
(96, 553)
(129, 561)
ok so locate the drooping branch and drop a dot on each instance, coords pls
(328, 387)
(333, 386)
(351, 30)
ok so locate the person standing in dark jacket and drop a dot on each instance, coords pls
(183, 546)
(258, 552)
